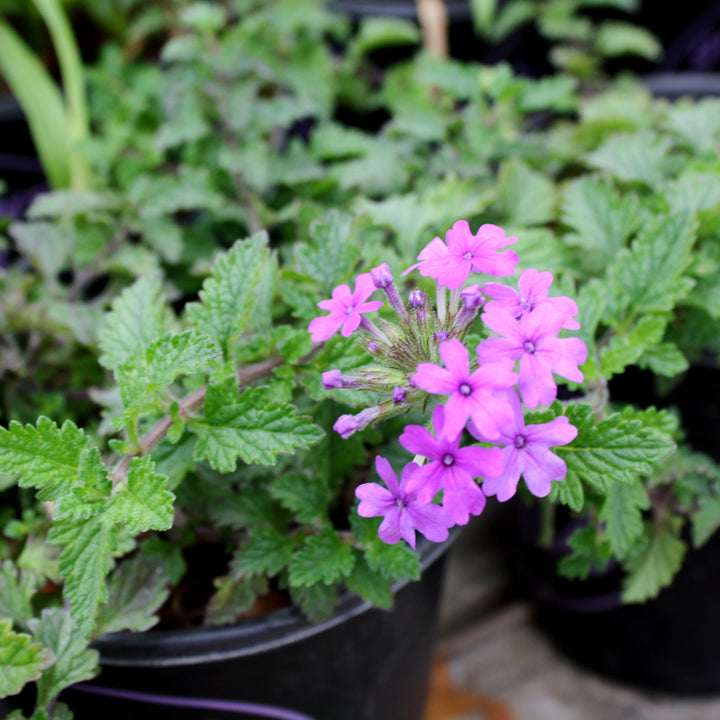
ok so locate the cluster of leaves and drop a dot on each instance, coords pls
(253, 119)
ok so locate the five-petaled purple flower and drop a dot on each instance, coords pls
(400, 509)
(534, 342)
(527, 453)
(472, 395)
(464, 252)
(451, 468)
(345, 309)
(532, 291)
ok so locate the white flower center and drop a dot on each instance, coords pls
(464, 389)
(448, 460)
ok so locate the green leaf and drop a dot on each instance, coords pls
(42, 104)
(648, 277)
(621, 512)
(190, 189)
(143, 501)
(233, 598)
(138, 317)
(617, 449)
(316, 601)
(633, 157)
(48, 458)
(158, 364)
(266, 552)
(16, 591)
(248, 427)
(84, 563)
(323, 558)
(624, 350)
(332, 253)
(589, 551)
(618, 38)
(379, 32)
(228, 295)
(655, 567)
(697, 122)
(74, 662)
(21, 660)
(706, 520)
(136, 590)
(665, 359)
(370, 585)
(526, 196)
(307, 496)
(568, 492)
(602, 218)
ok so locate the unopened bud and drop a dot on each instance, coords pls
(472, 297)
(381, 275)
(416, 300)
(332, 380)
(399, 396)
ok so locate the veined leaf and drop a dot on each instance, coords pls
(656, 566)
(143, 502)
(16, 590)
(74, 662)
(159, 363)
(228, 295)
(622, 514)
(323, 558)
(633, 157)
(138, 317)
(248, 427)
(617, 449)
(21, 660)
(266, 552)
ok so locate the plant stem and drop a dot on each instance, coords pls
(191, 402)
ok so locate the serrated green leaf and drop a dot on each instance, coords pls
(316, 601)
(526, 197)
(74, 662)
(266, 552)
(84, 563)
(245, 509)
(46, 457)
(16, 591)
(393, 562)
(332, 253)
(648, 277)
(371, 585)
(655, 567)
(138, 317)
(621, 512)
(706, 520)
(693, 191)
(602, 219)
(568, 492)
(589, 552)
(228, 295)
(190, 189)
(323, 558)
(617, 449)
(232, 598)
(248, 427)
(21, 660)
(624, 350)
(142, 502)
(633, 157)
(665, 359)
(307, 496)
(136, 590)
(697, 122)
(156, 365)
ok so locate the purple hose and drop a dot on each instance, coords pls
(231, 706)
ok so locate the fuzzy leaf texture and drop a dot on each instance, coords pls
(74, 662)
(142, 502)
(655, 567)
(138, 317)
(228, 295)
(248, 427)
(159, 363)
(266, 552)
(616, 450)
(306, 496)
(648, 277)
(84, 563)
(324, 558)
(21, 660)
(136, 590)
(46, 457)
(621, 512)
(16, 590)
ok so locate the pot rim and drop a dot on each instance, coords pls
(282, 627)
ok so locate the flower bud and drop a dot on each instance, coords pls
(441, 336)
(416, 300)
(381, 275)
(399, 396)
(472, 297)
(345, 426)
(332, 380)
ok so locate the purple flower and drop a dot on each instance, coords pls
(534, 342)
(346, 425)
(532, 290)
(401, 512)
(345, 309)
(381, 275)
(451, 264)
(416, 299)
(527, 453)
(472, 395)
(451, 468)
(399, 395)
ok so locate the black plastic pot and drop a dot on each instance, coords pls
(362, 664)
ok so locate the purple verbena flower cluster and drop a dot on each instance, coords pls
(423, 354)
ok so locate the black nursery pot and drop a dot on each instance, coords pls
(362, 664)
(670, 643)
